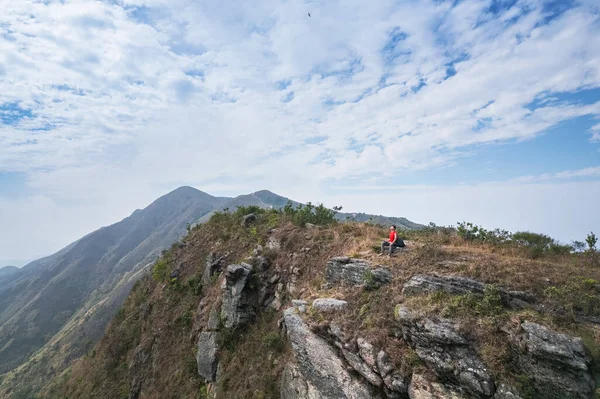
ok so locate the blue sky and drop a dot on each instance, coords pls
(434, 110)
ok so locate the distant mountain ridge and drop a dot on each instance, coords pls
(8, 271)
(53, 309)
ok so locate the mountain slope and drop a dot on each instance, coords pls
(447, 317)
(267, 199)
(65, 300)
(8, 271)
(56, 308)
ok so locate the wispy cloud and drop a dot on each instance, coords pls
(138, 96)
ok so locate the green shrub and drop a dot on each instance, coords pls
(471, 232)
(591, 241)
(558, 249)
(303, 214)
(195, 285)
(159, 271)
(488, 305)
(579, 295)
(533, 240)
(186, 318)
(246, 210)
(272, 341)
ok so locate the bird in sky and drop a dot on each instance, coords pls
(308, 15)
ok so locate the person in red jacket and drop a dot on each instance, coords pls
(393, 242)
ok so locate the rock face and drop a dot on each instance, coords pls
(206, 356)
(239, 302)
(504, 392)
(294, 385)
(454, 285)
(362, 368)
(557, 365)
(445, 351)
(355, 272)
(207, 348)
(318, 372)
(422, 388)
(142, 358)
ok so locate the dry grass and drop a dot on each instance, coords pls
(253, 363)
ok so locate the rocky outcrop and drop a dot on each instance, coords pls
(504, 392)
(328, 304)
(445, 352)
(423, 388)
(239, 300)
(556, 365)
(213, 266)
(344, 271)
(294, 385)
(318, 371)
(141, 359)
(206, 355)
(248, 219)
(362, 368)
(207, 348)
(423, 284)
(273, 244)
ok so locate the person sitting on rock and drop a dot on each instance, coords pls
(393, 242)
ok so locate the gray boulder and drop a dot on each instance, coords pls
(318, 367)
(384, 364)
(368, 353)
(445, 351)
(212, 266)
(206, 355)
(300, 305)
(328, 304)
(424, 284)
(273, 244)
(557, 365)
(239, 300)
(395, 386)
(248, 219)
(346, 271)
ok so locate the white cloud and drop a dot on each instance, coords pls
(127, 103)
(587, 172)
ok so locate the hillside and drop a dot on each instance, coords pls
(60, 305)
(55, 309)
(266, 309)
(8, 271)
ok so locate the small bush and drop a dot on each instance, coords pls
(579, 295)
(591, 241)
(303, 214)
(246, 210)
(472, 232)
(195, 285)
(159, 271)
(273, 342)
(186, 318)
(533, 240)
(488, 305)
